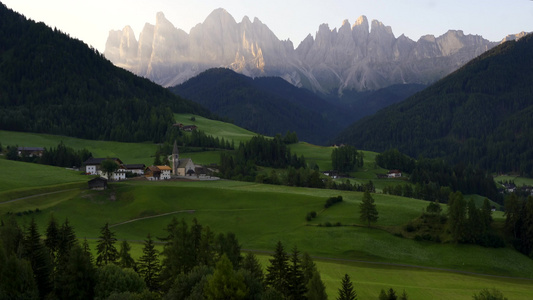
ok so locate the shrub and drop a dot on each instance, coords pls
(332, 200)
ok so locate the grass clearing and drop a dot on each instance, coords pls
(219, 129)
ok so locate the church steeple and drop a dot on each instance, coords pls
(175, 159)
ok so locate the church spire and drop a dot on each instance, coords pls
(175, 158)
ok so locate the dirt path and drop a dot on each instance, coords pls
(37, 195)
(190, 211)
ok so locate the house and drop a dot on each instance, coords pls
(189, 127)
(93, 167)
(394, 174)
(152, 173)
(97, 183)
(134, 168)
(165, 172)
(30, 151)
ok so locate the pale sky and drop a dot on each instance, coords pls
(91, 21)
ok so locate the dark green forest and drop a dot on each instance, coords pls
(265, 105)
(52, 83)
(480, 115)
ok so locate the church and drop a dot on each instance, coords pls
(181, 166)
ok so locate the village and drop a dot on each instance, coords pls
(182, 168)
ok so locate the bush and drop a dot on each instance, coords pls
(332, 200)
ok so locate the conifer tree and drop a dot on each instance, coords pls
(316, 290)
(308, 267)
(251, 264)
(149, 266)
(346, 291)
(38, 256)
(297, 288)
(368, 211)
(125, 260)
(225, 282)
(106, 251)
(53, 237)
(277, 271)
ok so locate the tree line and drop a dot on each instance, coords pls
(435, 178)
(195, 263)
(61, 156)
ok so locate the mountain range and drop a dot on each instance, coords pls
(362, 56)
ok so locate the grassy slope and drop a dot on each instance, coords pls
(260, 215)
(216, 128)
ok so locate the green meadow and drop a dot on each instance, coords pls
(261, 215)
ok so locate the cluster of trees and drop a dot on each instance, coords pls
(264, 152)
(61, 156)
(52, 83)
(469, 224)
(346, 159)
(436, 179)
(196, 138)
(519, 222)
(463, 223)
(195, 263)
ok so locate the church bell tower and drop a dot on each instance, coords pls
(175, 159)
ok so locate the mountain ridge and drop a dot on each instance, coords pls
(479, 115)
(364, 56)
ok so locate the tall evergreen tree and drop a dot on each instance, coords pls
(251, 264)
(125, 260)
(346, 291)
(316, 290)
(297, 287)
(225, 283)
(368, 212)
(149, 266)
(277, 271)
(53, 237)
(16, 277)
(106, 251)
(308, 267)
(77, 279)
(39, 257)
(457, 216)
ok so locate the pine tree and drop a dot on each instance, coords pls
(106, 251)
(225, 282)
(39, 258)
(277, 271)
(308, 267)
(297, 287)
(53, 237)
(368, 211)
(346, 291)
(149, 266)
(457, 216)
(125, 260)
(251, 264)
(316, 290)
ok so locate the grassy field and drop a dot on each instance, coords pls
(216, 128)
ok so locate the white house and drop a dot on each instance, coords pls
(165, 172)
(92, 167)
(394, 174)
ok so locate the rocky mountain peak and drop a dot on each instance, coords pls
(363, 57)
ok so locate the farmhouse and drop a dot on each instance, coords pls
(30, 151)
(165, 172)
(98, 183)
(137, 169)
(93, 167)
(394, 174)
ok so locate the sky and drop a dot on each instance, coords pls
(91, 21)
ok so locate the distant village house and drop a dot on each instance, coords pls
(98, 183)
(30, 151)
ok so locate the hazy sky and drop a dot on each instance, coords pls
(91, 21)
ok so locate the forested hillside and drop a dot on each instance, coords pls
(51, 83)
(266, 105)
(481, 115)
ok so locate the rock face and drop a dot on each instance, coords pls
(358, 57)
